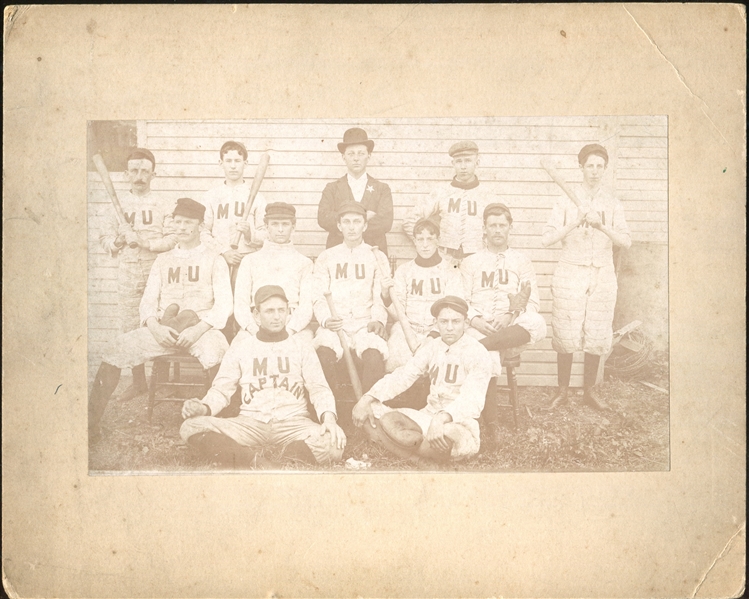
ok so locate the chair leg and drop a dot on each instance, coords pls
(512, 383)
(152, 389)
(176, 372)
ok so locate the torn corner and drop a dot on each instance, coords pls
(8, 586)
(726, 570)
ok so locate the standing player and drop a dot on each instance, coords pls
(149, 226)
(277, 263)
(498, 280)
(584, 286)
(273, 370)
(186, 301)
(349, 272)
(225, 205)
(457, 205)
(459, 369)
(357, 186)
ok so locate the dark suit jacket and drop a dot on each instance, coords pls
(380, 200)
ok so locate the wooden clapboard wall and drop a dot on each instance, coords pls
(411, 156)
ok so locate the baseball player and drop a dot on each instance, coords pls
(418, 283)
(185, 304)
(457, 205)
(350, 273)
(502, 293)
(149, 226)
(225, 205)
(357, 186)
(459, 368)
(273, 370)
(583, 288)
(278, 262)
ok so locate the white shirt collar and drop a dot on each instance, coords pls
(358, 186)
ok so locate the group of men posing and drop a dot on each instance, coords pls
(271, 327)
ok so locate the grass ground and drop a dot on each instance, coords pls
(632, 436)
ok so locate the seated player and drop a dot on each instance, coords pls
(350, 273)
(502, 294)
(188, 288)
(459, 368)
(273, 370)
(278, 263)
(417, 285)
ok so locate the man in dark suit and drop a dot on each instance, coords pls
(357, 186)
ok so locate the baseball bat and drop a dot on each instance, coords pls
(355, 382)
(256, 182)
(408, 333)
(101, 168)
(559, 180)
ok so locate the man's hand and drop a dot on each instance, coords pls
(362, 412)
(232, 257)
(334, 324)
(579, 218)
(593, 219)
(436, 432)
(478, 323)
(245, 229)
(371, 214)
(337, 436)
(132, 237)
(165, 336)
(386, 283)
(377, 328)
(502, 322)
(189, 336)
(193, 408)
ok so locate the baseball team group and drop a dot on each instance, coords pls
(287, 341)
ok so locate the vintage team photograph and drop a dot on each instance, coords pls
(363, 295)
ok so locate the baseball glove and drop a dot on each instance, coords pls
(519, 300)
(177, 320)
(401, 430)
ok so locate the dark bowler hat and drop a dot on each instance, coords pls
(596, 149)
(268, 291)
(189, 208)
(355, 136)
(351, 208)
(280, 210)
(449, 301)
(140, 154)
(497, 209)
(463, 147)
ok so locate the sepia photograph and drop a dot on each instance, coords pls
(355, 300)
(468, 294)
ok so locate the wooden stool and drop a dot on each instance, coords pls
(160, 378)
(510, 364)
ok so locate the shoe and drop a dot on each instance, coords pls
(590, 399)
(560, 399)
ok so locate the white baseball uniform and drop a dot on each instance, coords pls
(459, 375)
(584, 286)
(151, 218)
(418, 284)
(460, 209)
(224, 206)
(195, 279)
(275, 264)
(353, 278)
(273, 372)
(488, 279)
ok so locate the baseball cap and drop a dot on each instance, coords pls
(597, 149)
(268, 291)
(449, 301)
(463, 147)
(140, 154)
(189, 208)
(351, 208)
(280, 210)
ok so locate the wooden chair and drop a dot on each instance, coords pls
(510, 364)
(161, 379)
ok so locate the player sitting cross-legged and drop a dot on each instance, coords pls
(273, 371)
(459, 368)
(185, 304)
